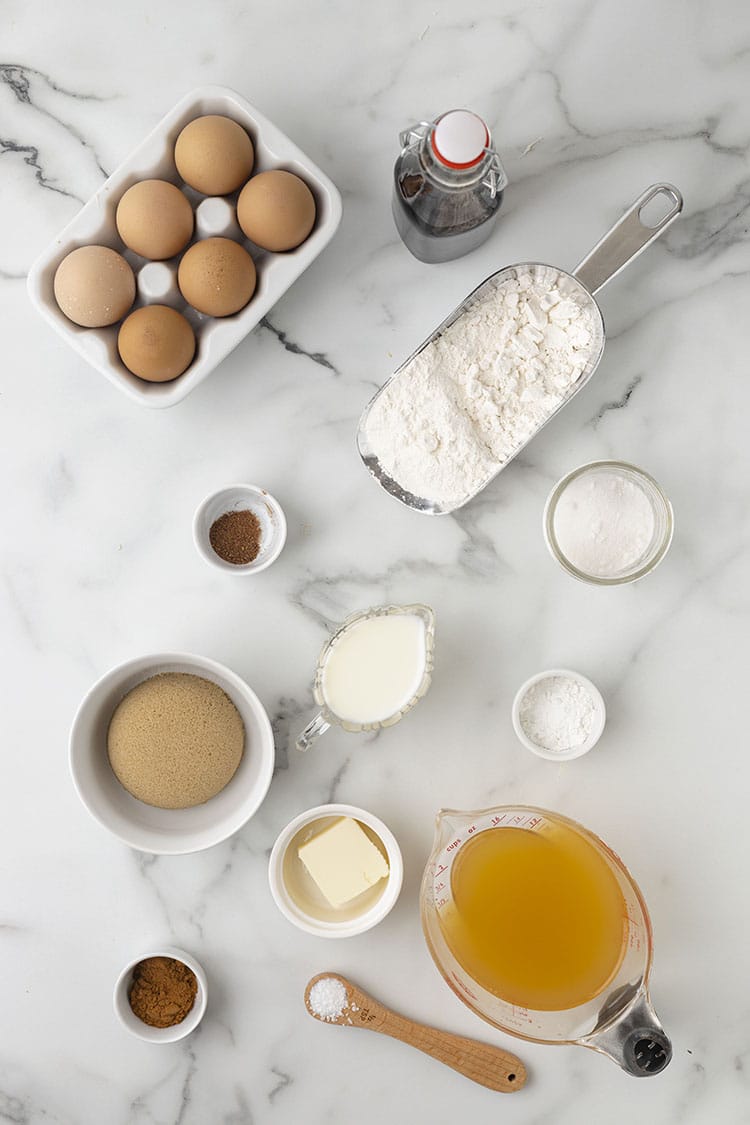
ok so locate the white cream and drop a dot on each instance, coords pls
(375, 667)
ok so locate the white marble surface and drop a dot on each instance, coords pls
(590, 103)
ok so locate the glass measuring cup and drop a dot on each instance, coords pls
(620, 1022)
(326, 716)
(628, 238)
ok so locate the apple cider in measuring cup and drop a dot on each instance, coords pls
(538, 918)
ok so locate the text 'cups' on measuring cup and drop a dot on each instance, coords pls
(561, 950)
(373, 670)
(628, 238)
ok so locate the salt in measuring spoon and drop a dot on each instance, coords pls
(628, 238)
(489, 1066)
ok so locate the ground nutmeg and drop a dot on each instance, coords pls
(163, 991)
(236, 536)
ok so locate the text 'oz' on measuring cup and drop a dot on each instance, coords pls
(416, 687)
(619, 1021)
(622, 244)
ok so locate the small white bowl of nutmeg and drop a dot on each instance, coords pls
(240, 529)
(186, 246)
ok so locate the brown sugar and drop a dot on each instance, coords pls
(175, 740)
(163, 991)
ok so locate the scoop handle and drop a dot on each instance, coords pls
(628, 238)
(481, 1062)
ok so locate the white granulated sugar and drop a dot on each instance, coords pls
(604, 524)
(328, 998)
(557, 713)
(461, 408)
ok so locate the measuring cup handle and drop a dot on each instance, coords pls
(312, 732)
(636, 1041)
(626, 240)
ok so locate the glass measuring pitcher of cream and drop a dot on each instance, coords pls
(373, 670)
(541, 930)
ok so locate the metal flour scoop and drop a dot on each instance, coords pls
(622, 244)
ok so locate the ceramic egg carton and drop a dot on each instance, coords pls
(157, 281)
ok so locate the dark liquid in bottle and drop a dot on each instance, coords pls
(438, 225)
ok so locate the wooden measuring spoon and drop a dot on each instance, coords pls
(489, 1066)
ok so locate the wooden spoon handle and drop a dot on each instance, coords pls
(489, 1066)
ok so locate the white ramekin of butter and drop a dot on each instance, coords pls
(140, 281)
(335, 871)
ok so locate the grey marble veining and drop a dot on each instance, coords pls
(589, 103)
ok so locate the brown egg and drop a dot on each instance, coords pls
(94, 286)
(214, 155)
(156, 343)
(155, 219)
(217, 276)
(276, 210)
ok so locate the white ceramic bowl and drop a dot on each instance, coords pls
(600, 716)
(136, 1026)
(298, 898)
(95, 223)
(234, 498)
(168, 831)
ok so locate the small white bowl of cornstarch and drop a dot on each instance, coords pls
(558, 714)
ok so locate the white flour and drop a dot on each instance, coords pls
(604, 524)
(472, 397)
(557, 713)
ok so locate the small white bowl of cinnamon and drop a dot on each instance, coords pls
(161, 997)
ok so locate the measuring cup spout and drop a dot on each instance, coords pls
(448, 822)
(636, 1040)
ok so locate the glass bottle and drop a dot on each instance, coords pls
(448, 186)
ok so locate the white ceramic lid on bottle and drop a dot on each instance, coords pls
(460, 138)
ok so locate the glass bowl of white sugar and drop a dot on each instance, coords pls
(608, 523)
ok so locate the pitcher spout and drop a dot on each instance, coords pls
(448, 824)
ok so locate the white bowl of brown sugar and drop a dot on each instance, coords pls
(171, 752)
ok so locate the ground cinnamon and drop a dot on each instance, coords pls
(236, 537)
(163, 991)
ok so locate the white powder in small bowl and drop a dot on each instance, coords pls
(328, 998)
(558, 713)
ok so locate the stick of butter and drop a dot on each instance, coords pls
(343, 861)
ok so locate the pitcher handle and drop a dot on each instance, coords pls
(626, 240)
(636, 1041)
(312, 732)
